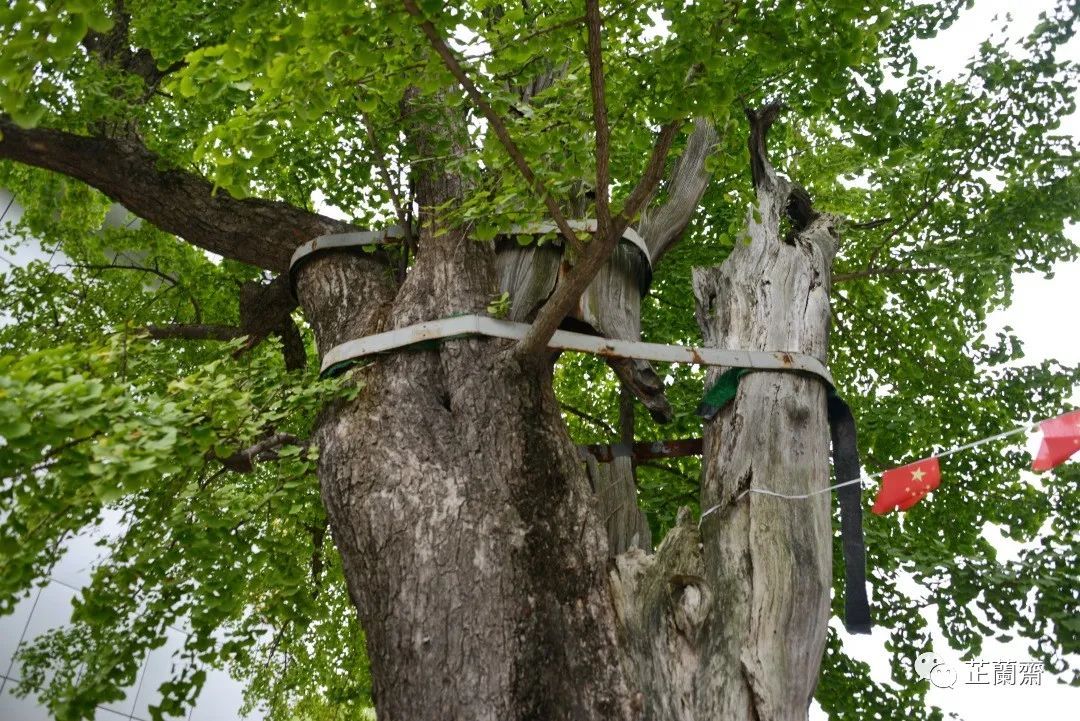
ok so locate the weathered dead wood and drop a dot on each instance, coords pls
(614, 482)
(730, 622)
(663, 607)
(610, 305)
(616, 500)
(771, 558)
(663, 225)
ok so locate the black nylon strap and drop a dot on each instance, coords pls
(845, 450)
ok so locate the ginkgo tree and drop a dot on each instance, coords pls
(421, 533)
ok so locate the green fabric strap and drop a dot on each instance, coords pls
(726, 386)
(721, 393)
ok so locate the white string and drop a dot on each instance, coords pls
(871, 476)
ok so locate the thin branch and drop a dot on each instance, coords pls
(600, 119)
(402, 211)
(195, 331)
(497, 124)
(144, 269)
(672, 471)
(871, 272)
(384, 173)
(654, 172)
(598, 422)
(265, 450)
(591, 259)
(928, 199)
(570, 288)
(869, 224)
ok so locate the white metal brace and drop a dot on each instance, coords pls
(473, 325)
(395, 233)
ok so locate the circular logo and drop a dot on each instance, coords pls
(942, 676)
(931, 667)
(925, 663)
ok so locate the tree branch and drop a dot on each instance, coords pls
(143, 269)
(573, 284)
(265, 450)
(265, 310)
(262, 233)
(588, 418)
(403, 217)
(592, 258)
(654, 171)
(869, 224)
(194, 331)
(661, 228)
(497, 124)
(600, 119)
(115, 48)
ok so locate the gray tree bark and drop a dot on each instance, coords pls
(474, 546)
(728, 621)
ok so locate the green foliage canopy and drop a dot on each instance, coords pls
(275, 100)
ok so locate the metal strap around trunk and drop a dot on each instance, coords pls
(338, 241)
(482, 325)
(589, 226)
(395, 233)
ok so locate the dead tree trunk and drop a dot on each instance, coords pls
(729, 621)
(770, 557)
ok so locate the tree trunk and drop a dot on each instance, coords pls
(729, 622)
(471, 539)
(466, 525)
(769, 558)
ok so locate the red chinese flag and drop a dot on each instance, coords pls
(905, 486)
(1061, 439)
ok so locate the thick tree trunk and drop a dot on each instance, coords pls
(465, 521)
(466, 526)
(471, 539)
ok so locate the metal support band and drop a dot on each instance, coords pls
(395, 233)
(482, 325)
(589, 226)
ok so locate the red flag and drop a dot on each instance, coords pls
(905, 486)
(1061, 439)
